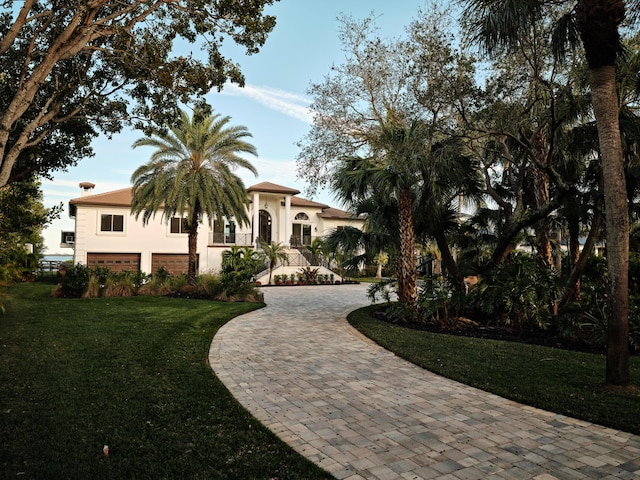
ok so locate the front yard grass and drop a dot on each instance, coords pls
(561, 381)
(130, 373)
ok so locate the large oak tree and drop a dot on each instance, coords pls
(72, 68)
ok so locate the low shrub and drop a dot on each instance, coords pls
(519, 294)
(75, 281)
(210, 285)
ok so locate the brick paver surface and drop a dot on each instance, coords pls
(360, 412)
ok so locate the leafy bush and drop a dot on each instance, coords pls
(101, 274)
(75, 281)
(386, 289)
(439, 301)
(586, 322)
(518, 294)
(308, 275)
(210, 285)
(162, 274)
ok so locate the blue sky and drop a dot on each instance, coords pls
(272, 105)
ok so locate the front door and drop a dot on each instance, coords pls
(265, 226)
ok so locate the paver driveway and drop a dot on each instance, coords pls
(362, 413)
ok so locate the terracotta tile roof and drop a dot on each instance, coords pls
(123, 198)
(117, 198)
(303, 202)
(337, 214)
(268, 187)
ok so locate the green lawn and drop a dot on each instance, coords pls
(130, 373)
(561, 381)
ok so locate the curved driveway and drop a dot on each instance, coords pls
(360, 412)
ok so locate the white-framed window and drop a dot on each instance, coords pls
(111, 222)
(179, 225)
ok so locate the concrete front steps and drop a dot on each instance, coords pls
(288, 270)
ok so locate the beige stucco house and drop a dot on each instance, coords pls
(107, 234)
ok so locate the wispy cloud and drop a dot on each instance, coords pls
(291, 104)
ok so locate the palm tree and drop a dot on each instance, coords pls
(191, 172)
(393, 173)
(274, 252)
(315, 248)
(597, 23)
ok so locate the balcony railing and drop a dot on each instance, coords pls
(304, 240)
(240, 239)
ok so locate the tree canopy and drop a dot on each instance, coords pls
(73, 69)
(526, 134)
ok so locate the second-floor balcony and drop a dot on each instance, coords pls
(240, 239)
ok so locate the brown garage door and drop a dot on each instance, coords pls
(116, 262)
(175, 263)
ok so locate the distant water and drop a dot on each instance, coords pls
(57, 258)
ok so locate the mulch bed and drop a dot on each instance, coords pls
(467, 327)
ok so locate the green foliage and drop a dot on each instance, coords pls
(586, 321)
(161, 274)
(75, 281)
(401, 312)
(81, 281)
(439, 301)
(518, 294)
(192, 170)
(239, 266)
(210, 285)
(101, 274)
(308, 275)
(274, 252)
(104, 282)
(23, 215)
(116, 64)
(18, 264)
(385, 289)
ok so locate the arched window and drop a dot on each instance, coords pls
(302, 216)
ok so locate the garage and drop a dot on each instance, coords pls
(116, 262)
(174, 263)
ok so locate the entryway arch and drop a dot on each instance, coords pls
(265, 226)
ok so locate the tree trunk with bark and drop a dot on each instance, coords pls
(193, 247)
(407, 272)
(598, 22)
(605, 106)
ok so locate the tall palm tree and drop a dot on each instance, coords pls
(596, 24)
(393, 173)
(274, 252)
(191, 172)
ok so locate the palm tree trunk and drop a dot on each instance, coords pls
(407, 273)
(605, 106)
(193, 246)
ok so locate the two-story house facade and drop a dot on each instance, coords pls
(107, 234)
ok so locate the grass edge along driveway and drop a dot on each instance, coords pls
(560, 381)
(130, 373)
